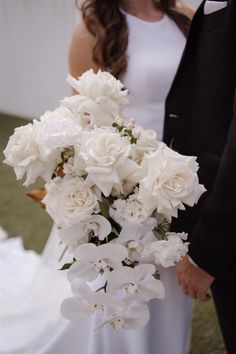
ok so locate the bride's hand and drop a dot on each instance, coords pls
(38, 195)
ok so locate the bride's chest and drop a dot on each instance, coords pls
(153, 59)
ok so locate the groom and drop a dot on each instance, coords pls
(201, 120)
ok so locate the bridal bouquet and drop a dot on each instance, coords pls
(112, 189)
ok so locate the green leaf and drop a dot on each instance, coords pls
(104, 287)
(133, 140)
(66, 266)
(117, 227)
(115, 231)
(159, 233)
(104, 207)
(157, 275)
(106, 200)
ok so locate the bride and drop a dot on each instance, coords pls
(140, 42)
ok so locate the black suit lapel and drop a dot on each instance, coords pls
(197, 25)
(193, 33)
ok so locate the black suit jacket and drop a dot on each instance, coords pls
(201, 120)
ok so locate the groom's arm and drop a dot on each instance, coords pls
(213, 242)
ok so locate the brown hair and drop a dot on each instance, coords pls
(107, 23)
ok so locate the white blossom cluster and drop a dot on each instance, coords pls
(110, 184)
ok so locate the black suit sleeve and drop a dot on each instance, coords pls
(213, 242)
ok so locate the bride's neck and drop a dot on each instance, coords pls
(141, 8)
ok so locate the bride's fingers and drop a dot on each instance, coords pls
(185, 288)
(192, 292)
(38, 195)
(180, 279)
(203, 296)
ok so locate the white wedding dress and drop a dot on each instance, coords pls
(31, 288)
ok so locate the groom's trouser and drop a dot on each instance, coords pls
(224, 294)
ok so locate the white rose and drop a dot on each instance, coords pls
(23, 154)
(100, 96)
(70, 201)
(171, 181)
(35, 149)
(58, 113)
(121, 191)
(75, 165)
(54, 132)
(146, 142)
(106, 158)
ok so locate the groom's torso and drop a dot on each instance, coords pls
(199, 107)
(199, 104)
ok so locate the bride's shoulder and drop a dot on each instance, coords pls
(81, 33)
(185, 10)
(81, 50)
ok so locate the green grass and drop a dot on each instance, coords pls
(206, 335)
(19, 215)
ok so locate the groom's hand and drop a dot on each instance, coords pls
(193, 280)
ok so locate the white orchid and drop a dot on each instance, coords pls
(93, 260)
(93, 226)
(135, 233)
(132, 317)
(86, 302)
(138, 282)
(100, 96)
(134, 239)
